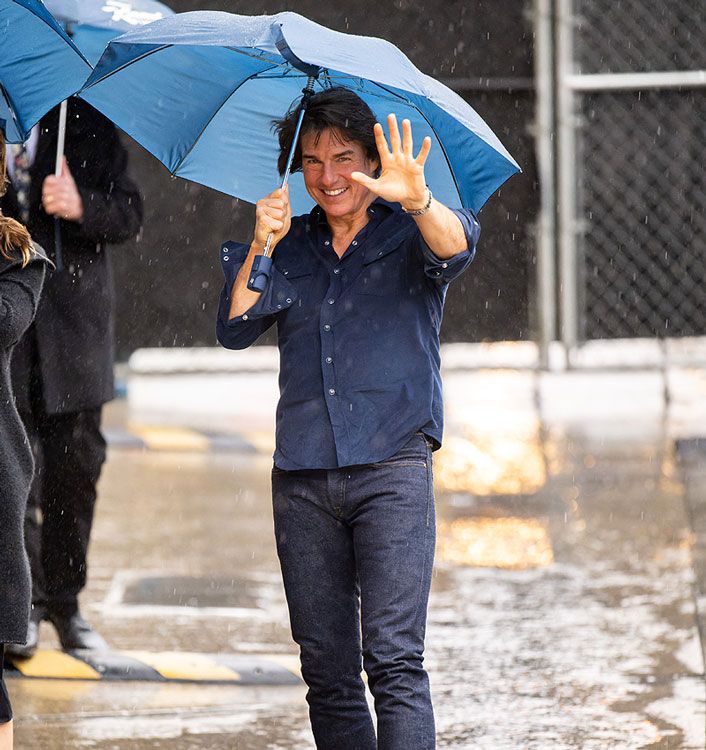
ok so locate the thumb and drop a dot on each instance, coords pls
(363, 179)
(65, 171)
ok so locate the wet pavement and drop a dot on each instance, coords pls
(564, 614)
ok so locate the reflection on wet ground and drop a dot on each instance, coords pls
(562, 614)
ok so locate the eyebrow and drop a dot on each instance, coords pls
(348, 152)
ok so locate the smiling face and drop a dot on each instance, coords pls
(327, 163)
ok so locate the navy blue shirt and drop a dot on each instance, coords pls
(358, 336)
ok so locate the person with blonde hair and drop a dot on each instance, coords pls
(22, 267)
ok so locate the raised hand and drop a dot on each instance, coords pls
(401, 177)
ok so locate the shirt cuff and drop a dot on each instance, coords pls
(445, 270)
(278, 296)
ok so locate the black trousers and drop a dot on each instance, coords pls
(69, 452)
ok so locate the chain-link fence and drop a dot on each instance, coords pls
(639, 121)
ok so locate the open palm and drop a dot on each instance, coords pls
(401, 177)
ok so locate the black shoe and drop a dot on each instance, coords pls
(76, 634)
(26, 651)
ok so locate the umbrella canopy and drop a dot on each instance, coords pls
(200, 90)
(39, 66)
(93, 23)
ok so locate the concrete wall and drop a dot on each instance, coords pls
(168, 280)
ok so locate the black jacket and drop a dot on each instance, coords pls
(73, 329)
(19, 296)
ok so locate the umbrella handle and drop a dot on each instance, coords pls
(261, 271)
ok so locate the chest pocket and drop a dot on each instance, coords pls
(383, 276)
(300, 279)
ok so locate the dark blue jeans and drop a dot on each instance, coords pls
(356, 546)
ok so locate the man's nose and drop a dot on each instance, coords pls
(328, 175)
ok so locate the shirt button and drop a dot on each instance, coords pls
(285, 272)
(331, 391)
(327, 243)
(327, 327)
(444, 265)
(245, 317)
(331, 301)
(288, 301)
(225, 257)
(329, 359)
(337, 270)
(355, 242)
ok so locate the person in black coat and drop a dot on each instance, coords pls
(22, 267)
(62, 369)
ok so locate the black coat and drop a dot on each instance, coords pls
(19, 296)
(73, 328)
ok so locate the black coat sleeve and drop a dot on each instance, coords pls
(19, 296)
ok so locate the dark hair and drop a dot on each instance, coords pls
(13, 236)
(337, 109)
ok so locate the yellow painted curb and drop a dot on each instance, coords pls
(171, 438)
(185, 666)
(56, 664)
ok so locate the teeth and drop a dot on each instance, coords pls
(335, 192)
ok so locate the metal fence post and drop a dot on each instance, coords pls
(545, 140)
(566, 175)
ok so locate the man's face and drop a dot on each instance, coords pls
(327, 163)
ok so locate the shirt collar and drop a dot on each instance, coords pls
(379, 207)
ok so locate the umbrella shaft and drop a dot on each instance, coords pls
(308, 91)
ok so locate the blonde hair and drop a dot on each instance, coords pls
(14, 238)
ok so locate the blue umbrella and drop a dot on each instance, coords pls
(93, 23)
(200, 90)
(39, 66)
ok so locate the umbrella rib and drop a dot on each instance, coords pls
(125, 65)
(210, 119)
(441, 145)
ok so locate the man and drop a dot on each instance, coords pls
(357, 293)
(63, 368)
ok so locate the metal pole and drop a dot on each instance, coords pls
(546, 239)
(262, 264)
(567, 177)
(60, 142)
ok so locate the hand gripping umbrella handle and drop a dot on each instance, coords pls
(262, 264)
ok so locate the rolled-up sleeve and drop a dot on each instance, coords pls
(445, 270)
(243, 330)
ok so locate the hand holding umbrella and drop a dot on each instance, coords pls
(401, 177)
(60, 195)
(273, 216)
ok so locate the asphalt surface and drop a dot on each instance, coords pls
(565, 612)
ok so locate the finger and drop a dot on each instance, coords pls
(395, 143)
(381, 141)
(274, 212)
(65, 171)
(272, 224)
(423, 151)
(407, 141)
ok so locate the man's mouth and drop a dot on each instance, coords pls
(333, 193)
